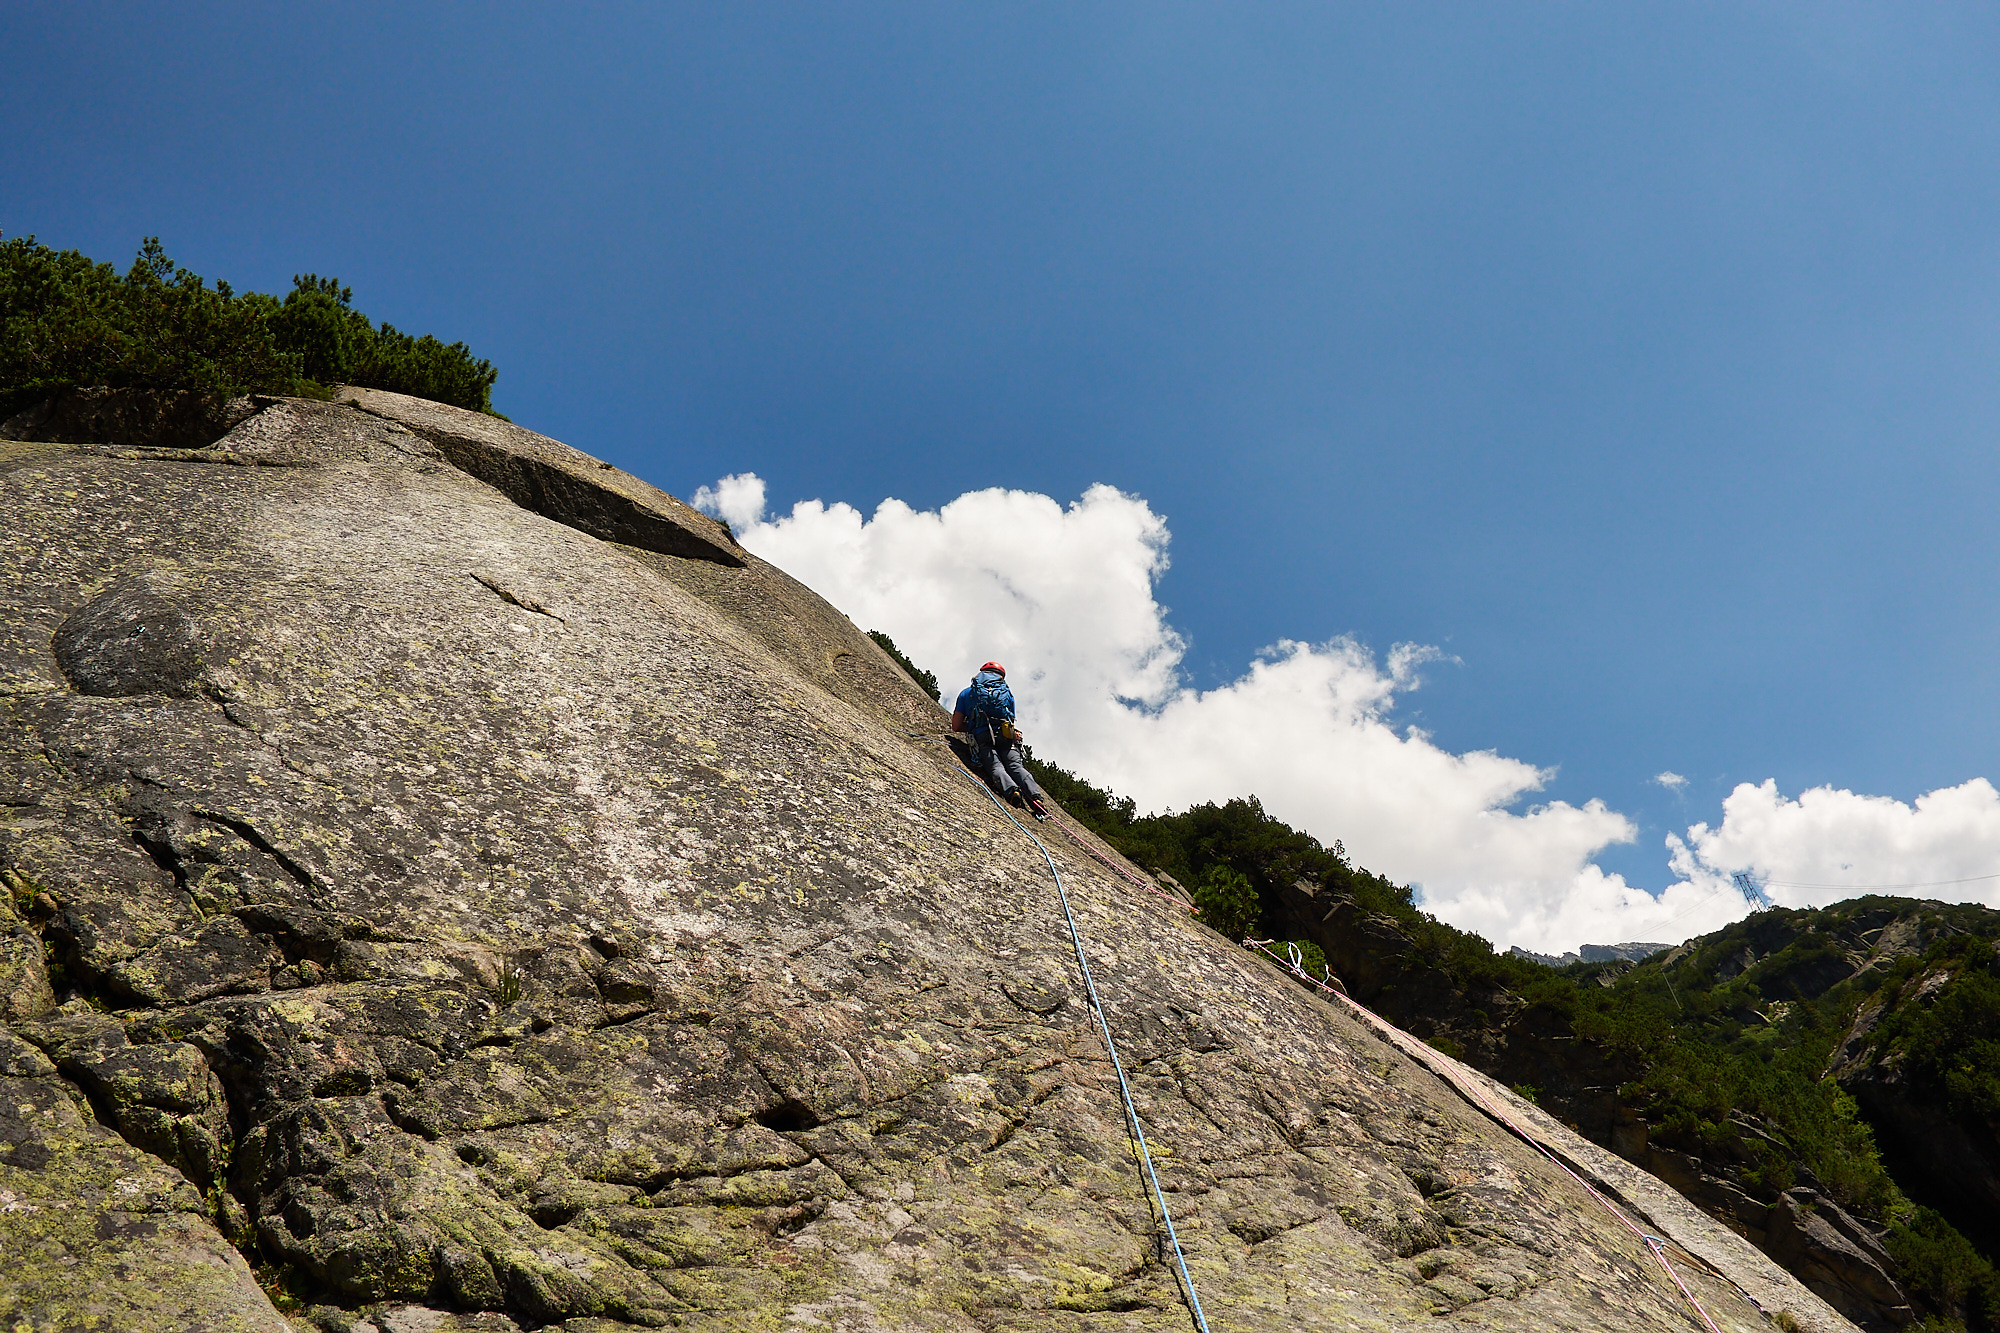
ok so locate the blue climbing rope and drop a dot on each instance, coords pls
(1296, 965)
(1124, 1088)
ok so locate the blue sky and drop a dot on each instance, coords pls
(1642, 358)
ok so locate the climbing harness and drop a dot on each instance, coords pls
(1653, 1244)
(1124, 1088)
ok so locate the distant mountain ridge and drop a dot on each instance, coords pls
(1593, 953)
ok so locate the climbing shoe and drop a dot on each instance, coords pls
(1040, 811)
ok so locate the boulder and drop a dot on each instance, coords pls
(1837, 1257)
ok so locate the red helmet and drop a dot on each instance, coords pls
(993, 666)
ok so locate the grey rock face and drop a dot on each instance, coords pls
(479, 923)
(1835, 1255)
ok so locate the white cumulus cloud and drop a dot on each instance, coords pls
(737, 499)
(1671, 780)
(1064, 597)
(1827, 844)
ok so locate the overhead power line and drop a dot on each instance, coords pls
(1926, 884)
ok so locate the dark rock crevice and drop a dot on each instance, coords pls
(788, 1117)
(247, 831)
(156, 418)
(164, 855)
(513, 598)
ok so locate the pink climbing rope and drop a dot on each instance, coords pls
(1117, 869)
(1653, 1244)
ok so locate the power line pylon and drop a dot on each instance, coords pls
(1753, 892)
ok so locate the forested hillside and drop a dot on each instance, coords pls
(1837, 1068)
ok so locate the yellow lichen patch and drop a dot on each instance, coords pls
(1081, 1289)
(753, 1062)
(971, 1089)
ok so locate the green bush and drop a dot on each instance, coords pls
(335, 344)
(1312, 958)
(1942, 1268)
(66, 322)
(1952, 1046)
(1226, 901)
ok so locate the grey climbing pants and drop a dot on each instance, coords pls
(1003, 770)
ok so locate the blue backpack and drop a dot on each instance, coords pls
(990, 706)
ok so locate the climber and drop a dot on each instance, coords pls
(985, 713)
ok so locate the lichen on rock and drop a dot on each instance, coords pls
(479, 919)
